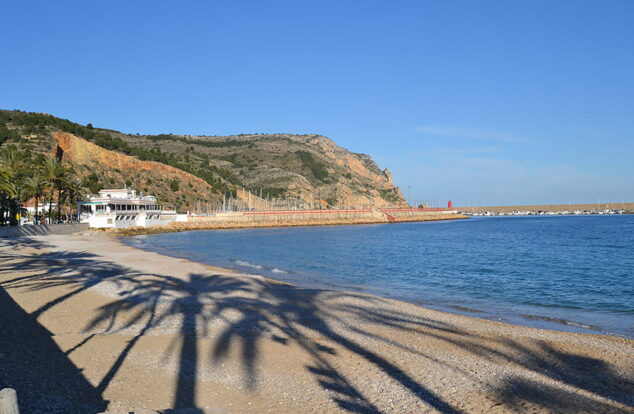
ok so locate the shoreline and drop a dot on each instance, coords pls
(433, 308)
(156, 332)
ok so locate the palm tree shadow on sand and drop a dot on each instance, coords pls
(261, 310)
(261, 307)
(155, 299)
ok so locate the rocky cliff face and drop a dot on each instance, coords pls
(309, 168)
(189, 172)
(115, 170)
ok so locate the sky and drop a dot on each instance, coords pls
(484, 103)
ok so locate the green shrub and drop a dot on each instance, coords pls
(316, 168)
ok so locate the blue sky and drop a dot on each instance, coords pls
(480, 102)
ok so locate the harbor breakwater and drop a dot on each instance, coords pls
(290, 218)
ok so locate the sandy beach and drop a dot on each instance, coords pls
(91, 325)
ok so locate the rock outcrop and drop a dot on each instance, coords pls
(118, 170)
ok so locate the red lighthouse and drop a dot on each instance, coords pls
(450, 206)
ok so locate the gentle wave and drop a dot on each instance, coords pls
(244, 263)
(279, 271)
(247, 264)
(562, 321)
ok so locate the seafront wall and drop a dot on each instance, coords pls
(43, 229)
(283, 218)
(418, 214)
(292, 218)
(275, 218)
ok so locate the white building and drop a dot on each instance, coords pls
(42, 208)
(120, 208)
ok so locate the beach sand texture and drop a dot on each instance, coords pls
(90, 325)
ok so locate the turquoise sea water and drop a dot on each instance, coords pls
(567, 272)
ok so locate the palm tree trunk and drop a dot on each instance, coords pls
(3, 210)
(13, 212)
(37, 201)
(50, 205)
(59, 202)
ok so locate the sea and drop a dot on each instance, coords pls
(569, 273)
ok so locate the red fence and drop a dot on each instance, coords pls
(289, 212)
(340, 211)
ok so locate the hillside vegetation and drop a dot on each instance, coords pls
(185, 171)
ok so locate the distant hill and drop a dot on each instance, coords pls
(185, 171)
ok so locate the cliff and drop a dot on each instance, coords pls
(117, 170)
(308, 168)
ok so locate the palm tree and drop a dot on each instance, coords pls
(51, 171)
(7, 191)
(60, 183)
(72, 190)
(13, 159)
(35, 187)
(64, 180)
(23, 177)
(6, 176)
(13, 164)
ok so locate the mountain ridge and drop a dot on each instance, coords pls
(308, 169)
